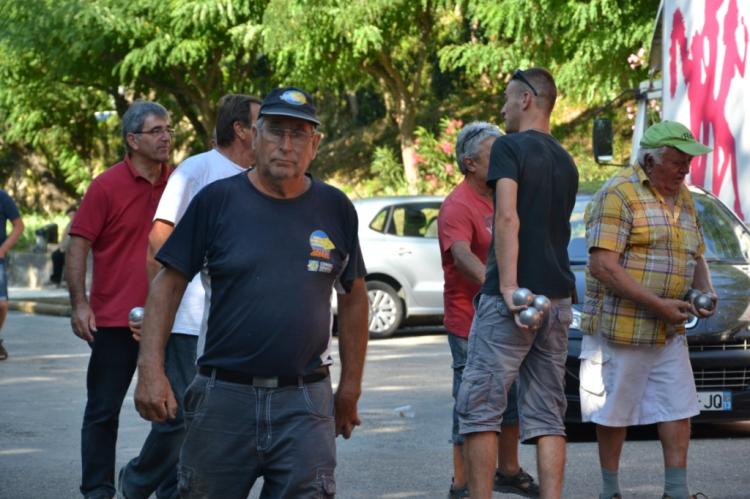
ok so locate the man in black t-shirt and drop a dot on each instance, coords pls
(274, 242)
(534, 181)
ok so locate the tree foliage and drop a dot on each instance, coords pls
(392, 43)
(585, 43)
(62, 61)
(66, 65)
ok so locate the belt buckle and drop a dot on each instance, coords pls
(261, 382)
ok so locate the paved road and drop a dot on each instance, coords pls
(42, 391)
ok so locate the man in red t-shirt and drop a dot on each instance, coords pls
(113, 223)
(465, 233)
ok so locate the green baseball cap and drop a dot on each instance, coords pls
(673, 134)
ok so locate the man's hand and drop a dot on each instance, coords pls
(154, 399)
(345, 408)
(83, 322)
(135, 328)
(673, 311)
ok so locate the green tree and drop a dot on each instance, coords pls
(326, 43)
(585, 43)
(62, 61)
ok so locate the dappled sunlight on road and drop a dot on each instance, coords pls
(26, 379)
(16, 452)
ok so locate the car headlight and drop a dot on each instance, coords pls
(576, 323)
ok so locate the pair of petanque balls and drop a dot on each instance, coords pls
(537, 306)
(699, 299)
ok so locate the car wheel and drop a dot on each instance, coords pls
(386, 309)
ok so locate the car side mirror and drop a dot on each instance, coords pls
(602, 140)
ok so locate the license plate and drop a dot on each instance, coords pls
(715, 401)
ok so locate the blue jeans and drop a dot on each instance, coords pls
(237, 432)
(155, 468)
(114, 353)
(459, 351)
(4, 279)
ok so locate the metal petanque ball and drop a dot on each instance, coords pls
(530, 317)
(522, 296)
(136, 314)
(703, 301)
(542, 303)
(692, 295)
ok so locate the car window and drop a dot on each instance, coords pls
(727, 240)
(378, 223)
(414, 220)
(577, 251)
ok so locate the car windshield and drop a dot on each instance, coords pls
(727, 240)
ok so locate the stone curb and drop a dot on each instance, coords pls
(39, 308)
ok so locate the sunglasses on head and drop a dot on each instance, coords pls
(518, 75)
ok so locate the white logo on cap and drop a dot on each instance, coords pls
(294, 97)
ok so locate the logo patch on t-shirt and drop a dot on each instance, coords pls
(321, 245)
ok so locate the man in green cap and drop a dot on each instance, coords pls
(645, 253)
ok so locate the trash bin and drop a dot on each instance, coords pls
(44, 236)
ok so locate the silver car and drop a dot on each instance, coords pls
(398, 236)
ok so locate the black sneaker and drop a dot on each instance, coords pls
(3, 351)
(521, 484)
(461, 493)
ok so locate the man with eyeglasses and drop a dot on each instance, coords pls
(535, 183)
(113, 222)
(464, 233)
(274, 242)
(155, 468)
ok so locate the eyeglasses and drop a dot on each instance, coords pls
(277, 135)
(518, 75)
(157, 131)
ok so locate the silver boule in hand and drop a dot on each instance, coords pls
(530, 317)
(703, 301)
(522, 296)
(136, 314)
(542, 304)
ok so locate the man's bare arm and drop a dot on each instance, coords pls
(702, 281)
(507, 226)
(467, 262)
(160, 231)
(12, 238)
(353, 308)
(82, 320)
(605, 267)
(154, 398)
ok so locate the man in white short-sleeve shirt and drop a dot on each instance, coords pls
(155, 468)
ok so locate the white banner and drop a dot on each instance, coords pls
(706, 86)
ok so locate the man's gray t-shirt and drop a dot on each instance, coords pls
(272, 265)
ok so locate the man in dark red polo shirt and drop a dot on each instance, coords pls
(113, 223)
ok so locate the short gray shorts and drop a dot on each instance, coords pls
(498, 354)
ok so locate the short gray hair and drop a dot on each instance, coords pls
(469, 139)
(654, 152)
(135, 116)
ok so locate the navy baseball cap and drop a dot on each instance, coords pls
(289, 101)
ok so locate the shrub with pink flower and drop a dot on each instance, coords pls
(437, 162)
